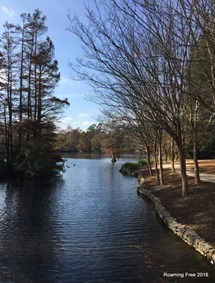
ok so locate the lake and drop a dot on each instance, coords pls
(89, 225)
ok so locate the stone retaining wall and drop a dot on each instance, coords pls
(187, 235)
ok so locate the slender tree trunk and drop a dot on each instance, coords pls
(161, 162)
(195, 159)
(149, 160)
(21, 89)
(20, 112)
(10, 113)
(39, 104)
(156, 163)
(29, 108)
(182, 162)
(172, 156)
(7, 151)
(194, 123)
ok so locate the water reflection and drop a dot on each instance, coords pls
(89, 226)
(26, 228)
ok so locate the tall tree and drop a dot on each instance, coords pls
(29, 75)
(9, 77)
(140, 50)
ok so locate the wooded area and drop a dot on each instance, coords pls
(28, 109)
(111, 137)
(152, 67)
(98, 138)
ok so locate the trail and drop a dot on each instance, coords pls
(205, 177)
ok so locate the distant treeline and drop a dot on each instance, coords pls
(97, 138)
(100, 138)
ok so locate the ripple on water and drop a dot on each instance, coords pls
(89, 227)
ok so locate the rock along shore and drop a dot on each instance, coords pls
(187, 235)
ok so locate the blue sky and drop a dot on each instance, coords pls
(81, 113)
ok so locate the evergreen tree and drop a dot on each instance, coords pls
(29, 75)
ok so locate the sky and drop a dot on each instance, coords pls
(81, 113)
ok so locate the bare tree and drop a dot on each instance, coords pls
(136, 55)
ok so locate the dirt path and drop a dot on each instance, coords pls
(206, 168)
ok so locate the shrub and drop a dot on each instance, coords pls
(36, 160)
(129, 168)
(142, 162)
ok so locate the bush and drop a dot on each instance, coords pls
(36, 160)
(207, 151)
(142, 162)
(131, 166)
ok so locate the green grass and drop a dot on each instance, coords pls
(130, 167)
(142, 162)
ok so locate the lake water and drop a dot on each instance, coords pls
(89, 225)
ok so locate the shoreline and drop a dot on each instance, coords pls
(188, 235)
(191, 218)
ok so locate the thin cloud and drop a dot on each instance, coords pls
(84, 115)
(85, 124)
(65, 122)
(77, 123)
(8, 11)
(64, 81)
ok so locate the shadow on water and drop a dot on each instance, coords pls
(26, 228)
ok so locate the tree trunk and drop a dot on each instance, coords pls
(113, 158)
(21, 89)
(149, 161)
(161, 162)
(182, 162)
(7, 150)
(156, 163)
(29, 108)
(195, 159)
(172, 156)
